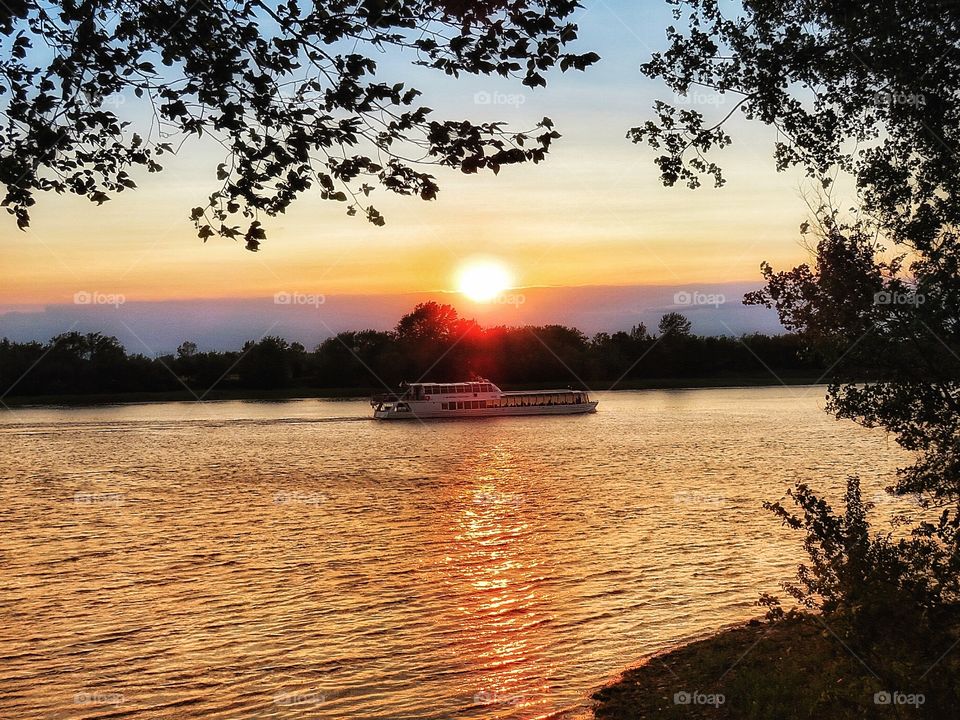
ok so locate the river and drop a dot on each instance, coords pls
(298, 559)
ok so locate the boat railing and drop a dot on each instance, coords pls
(384, 398)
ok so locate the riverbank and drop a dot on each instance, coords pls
(795, 668)
(300, 393)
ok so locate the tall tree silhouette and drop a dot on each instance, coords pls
(673, 324)
(872, 90)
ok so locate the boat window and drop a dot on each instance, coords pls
(483, 404)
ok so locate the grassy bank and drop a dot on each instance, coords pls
(355, 392)
(796, 668)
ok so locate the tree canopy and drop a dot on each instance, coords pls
(289, 90)
(432, 342)
(673, 324)
(870, 90)
(864, 87)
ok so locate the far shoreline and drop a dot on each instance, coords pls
(360, 393)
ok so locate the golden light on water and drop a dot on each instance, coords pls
(483, 279)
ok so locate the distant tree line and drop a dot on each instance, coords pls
(432, 342)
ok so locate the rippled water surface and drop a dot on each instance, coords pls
(296, 559)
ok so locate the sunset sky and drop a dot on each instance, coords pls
(594, 214)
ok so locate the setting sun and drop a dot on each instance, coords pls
(483, 280)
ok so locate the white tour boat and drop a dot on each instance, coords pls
(479, 398)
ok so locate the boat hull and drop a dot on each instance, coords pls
(428, 411)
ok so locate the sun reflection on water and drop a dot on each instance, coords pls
(497, 575)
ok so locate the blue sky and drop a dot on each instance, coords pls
(594, 214)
